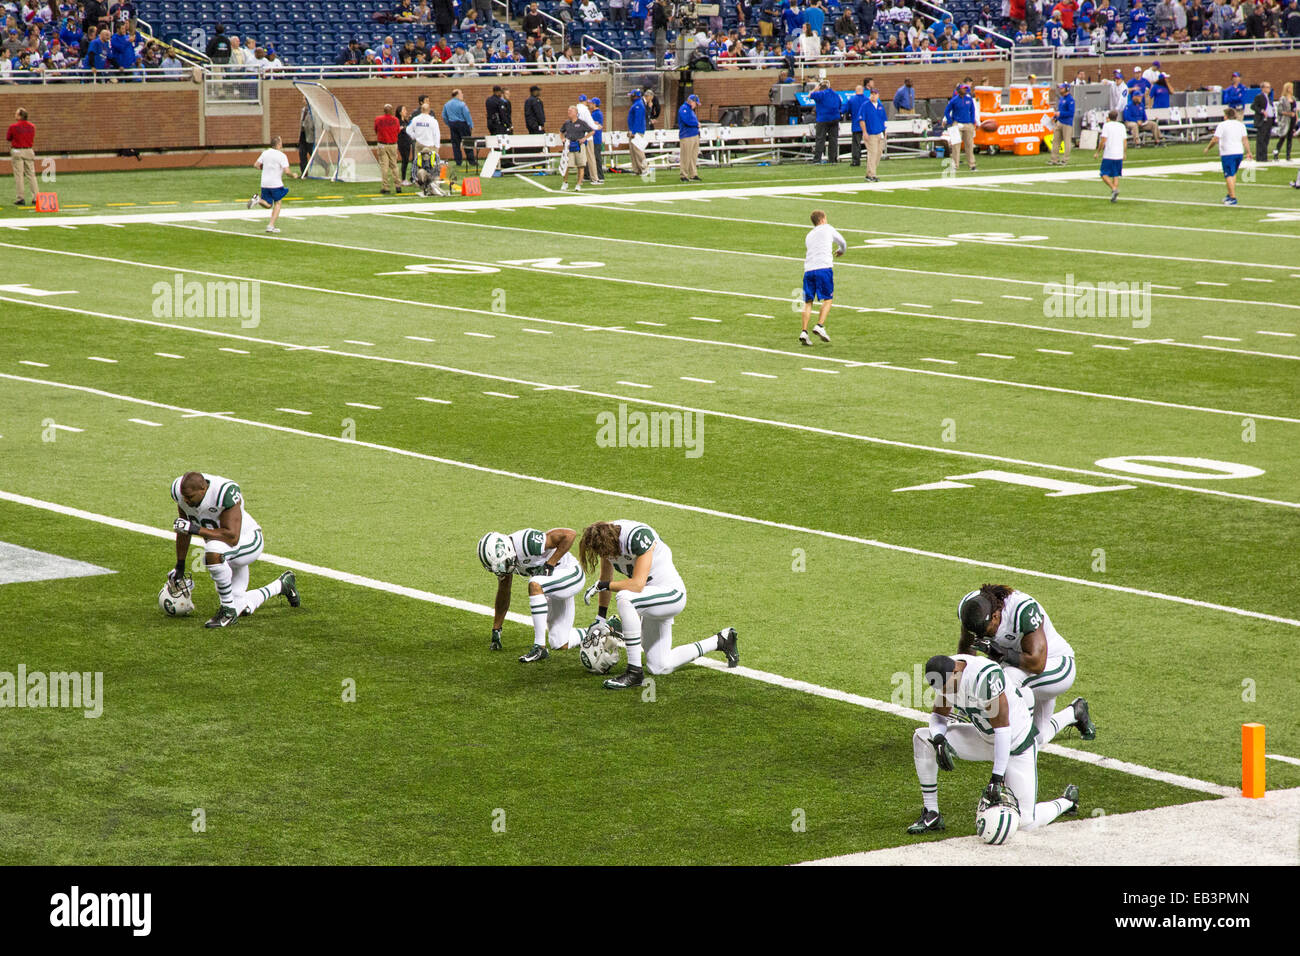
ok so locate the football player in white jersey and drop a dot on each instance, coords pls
(1013, 629)
(649, 597)
(212, 508)
(554, 580)
(1000, 730)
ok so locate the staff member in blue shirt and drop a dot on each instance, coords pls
(1063, 126)
(1235, 95)
(905, 98)
(597, 139)
(829, 109)
(455, 115)
(855, 123)
(688, 138)
(636, 124)
(873, 124)
(961, 110)
(1135, 118)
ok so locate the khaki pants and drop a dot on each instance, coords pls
(589, 160)
(875, 146)
(1061, 141)
(690, 153)
(24, 163)
(968, 142)
(637, 157)
(388, 165)
(764, 28)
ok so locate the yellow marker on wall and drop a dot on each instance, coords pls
(1252, 760)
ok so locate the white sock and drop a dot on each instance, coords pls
(537, 605)
(221, 578)
(1060, 721)
(688, 652)
(256, 598)
(930, 796)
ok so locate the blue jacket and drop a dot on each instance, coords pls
(457, 110)
(123, 51)
(905, 98)
(792, 22)
(1235, 95)
(855, 111)
(1135, 113)
(688, 124)
(828, 105)
(636, 116)
(960, 109)
(1065, 109)
(873, 118)
(599, 117)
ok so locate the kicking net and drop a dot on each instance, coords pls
(340, 152)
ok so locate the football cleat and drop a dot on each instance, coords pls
(289, 588)
(224, 617)
(631, 677)
(1072, 794)
(1082, 720)
(820, 331)
(538, 653)
(728, 642)
(496, 640)
(930, 821)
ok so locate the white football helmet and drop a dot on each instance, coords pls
(599, 652)
(997, 823)
(497, 552)
(176, 599)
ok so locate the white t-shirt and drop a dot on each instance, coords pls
(1232, 137)
(274, 165)
(821, 244)
(423, 128)
(1114, 133)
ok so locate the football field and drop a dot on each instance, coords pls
(1026, 384)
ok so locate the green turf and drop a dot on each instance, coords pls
(250, 725)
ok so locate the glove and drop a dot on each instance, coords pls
(545, 570)
(185, 526)
(997, 793)
(496, 640)
(591, 591)
(943, 751)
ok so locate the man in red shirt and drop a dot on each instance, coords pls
(1067, 9)
(387, 128)
(21, 136)
(441, 50)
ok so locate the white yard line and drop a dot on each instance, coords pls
(145, 421)
(293, 411)
(1054, 351)
(377, 408)
(500, 394)
(235, 351)
(995, 355)
(721, 414)
(937, 361)
(96, 358)
(765, 677)
(435, 401)
(1291, 760)
(634, 384)
(677, 506)
(419, 338)
(702, 381)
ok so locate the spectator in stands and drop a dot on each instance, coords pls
(470, 22)
(442, 50)
(387, 130)
(589, 62)
(1265, 114)
(590, 12)
(905, 98)
(22, 138)
(172, 68)
(71, 35)
(618, 11)
(791, 19)
(827, 115)
(455, 115)
(424, 13)
(404, 12)
(873, 126)
(484, 8)
(218, 48)
(688, 138)
(659, 23)
(1222, 15)
(534, 111)
(636, 129)
(1287, 114)
(444, 16)
(844, 26)
(1195, 19)
(867, 16)
(810, 45)
(532, 21)
(768, 18)
(351, 54)
(1291, 23)
(99, 51)
(814, 16)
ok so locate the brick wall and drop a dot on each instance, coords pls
(82, 118)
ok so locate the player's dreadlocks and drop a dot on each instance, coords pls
(599, 540)
(997, 593)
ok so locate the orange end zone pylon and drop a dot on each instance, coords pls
(1252, 760)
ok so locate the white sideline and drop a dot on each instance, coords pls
(775, 423)
(592, 198)
(678, 506)
(418, 594)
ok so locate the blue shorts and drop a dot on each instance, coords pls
(1231, 164)
(819, 284)
(273, 196)
(1112, 167)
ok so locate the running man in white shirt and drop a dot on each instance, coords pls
(1112, 146)
(425, 132)
(1233, 142)
(824, 245)
(273, 164)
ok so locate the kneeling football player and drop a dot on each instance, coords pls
(212, 508)
(1014, 630)
(554, 580)
(649, 598)
(1000, 730)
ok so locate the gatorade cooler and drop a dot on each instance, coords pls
(1025, 146)
(989, 99)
